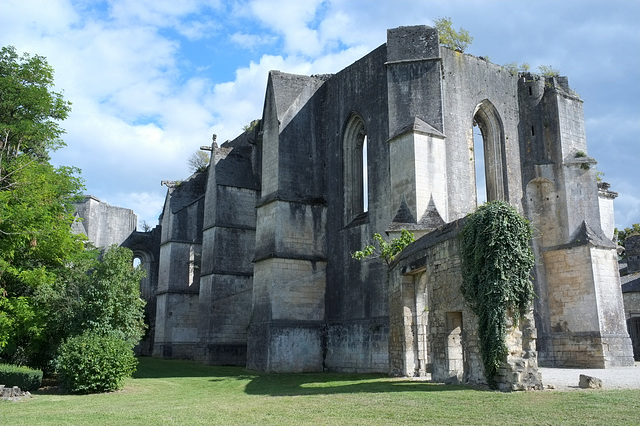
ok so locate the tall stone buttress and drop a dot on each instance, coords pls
(579, 310)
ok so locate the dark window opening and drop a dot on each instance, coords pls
(356, 169)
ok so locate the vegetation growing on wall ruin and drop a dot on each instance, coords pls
(384, 250)
(496, 263)
(622, 234)
(455, 40)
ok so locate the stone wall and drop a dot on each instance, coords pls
(632, 250)
(146, 248)
(631, 291)
(607, 217)
(102, 223)
(356, 302)
(179, 270)
(272, 224)
(433, 332)
(632, 313)
(228, 246)
(357, 345)
(478, 92)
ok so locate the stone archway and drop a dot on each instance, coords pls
(488, 120)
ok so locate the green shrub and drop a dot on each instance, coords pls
(25, 378)
(93, 363)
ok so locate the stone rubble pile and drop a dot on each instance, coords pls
(13, 393)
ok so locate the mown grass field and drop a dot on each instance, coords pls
(180, 392)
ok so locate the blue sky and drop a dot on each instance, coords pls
(152, 80)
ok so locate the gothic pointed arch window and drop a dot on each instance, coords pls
(356, 181)
(489, 154)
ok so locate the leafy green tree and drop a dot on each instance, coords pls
(30, 110)
(456, 40)
(384, 250)
(101, 296)
(627, 232)
(52, 284)
(35, 198)
(36, 248)
(97, 320)
(198, 161)
(109, 301)
(36, 242)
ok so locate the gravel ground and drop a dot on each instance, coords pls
(612, 378)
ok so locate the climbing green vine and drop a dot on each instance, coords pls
(496, 263)
(384, 250)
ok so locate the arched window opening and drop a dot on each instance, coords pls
(192, 266)
(137, 262)
(365, 176)
(478, 151)
(356, 168)
(489, 154)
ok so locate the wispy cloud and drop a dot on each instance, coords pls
(145, 97)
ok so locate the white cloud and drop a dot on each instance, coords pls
(627, 205)
(43, 19)
(146, 205)
(238, 102)
(251, 41)
(159, 13)
(291, 19)
(139, 111)
(196, 30)
(334, 62)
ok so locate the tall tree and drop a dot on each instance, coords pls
(52, 284)
(36, 212)
(30, 110)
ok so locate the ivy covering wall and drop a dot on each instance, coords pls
(496, 263)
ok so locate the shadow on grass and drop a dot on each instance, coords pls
(336, 383)
(157, 368)
(290, 384)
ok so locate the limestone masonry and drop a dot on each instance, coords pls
(251, 262)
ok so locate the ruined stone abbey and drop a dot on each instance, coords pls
(251, 262)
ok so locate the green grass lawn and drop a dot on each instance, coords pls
(180, 392)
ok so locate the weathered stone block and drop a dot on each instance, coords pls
(589, 382)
